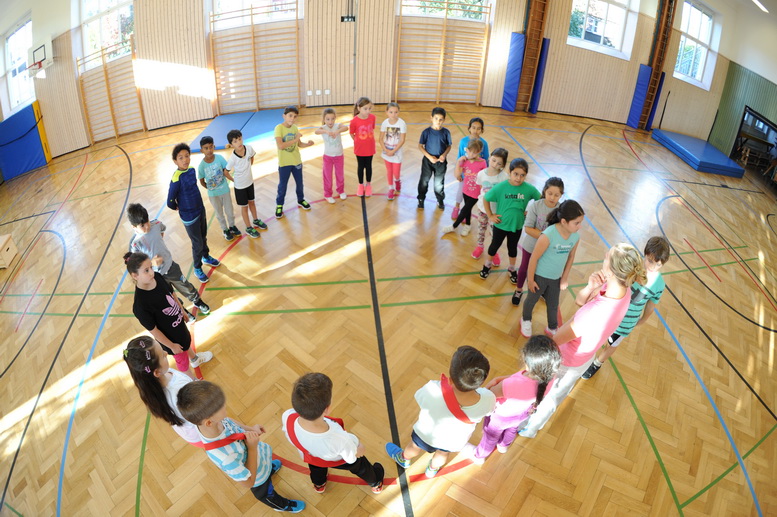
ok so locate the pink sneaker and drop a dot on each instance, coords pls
(497, 260)
(397, 185)
(550, 332)
(391, 194)
(455, 212)
(360, 190)
(368, 190)
(477, 252)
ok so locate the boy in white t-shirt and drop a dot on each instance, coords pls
(321, 440)
(239, 165)
(450, 411)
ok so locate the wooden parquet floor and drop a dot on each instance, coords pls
(682, 422)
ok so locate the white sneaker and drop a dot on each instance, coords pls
(469, 452)
(330, 200)
(501, 448)
(343, 196)
(465, 230)
(526, 328)
(448, 229)
(550, 332)
(201, 357)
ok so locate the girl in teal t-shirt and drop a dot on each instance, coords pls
(550, 263)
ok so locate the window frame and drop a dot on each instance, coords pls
(237, 17)
(710, 57)
(18, 99)
(99, 16)
(628, 33)
(449, 9)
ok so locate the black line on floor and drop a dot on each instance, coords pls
(70, 327)
(28, 217)
(722, 185)
(403, 485)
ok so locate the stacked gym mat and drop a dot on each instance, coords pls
(256, 125)
(700, 155)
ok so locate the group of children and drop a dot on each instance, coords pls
(617, 297)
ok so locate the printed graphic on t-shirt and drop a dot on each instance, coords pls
(173, 310)
(214, 176)
(392, 138)
(563, 249)
(287, 137)
(365, 132)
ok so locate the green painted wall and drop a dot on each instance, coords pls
(742, 88)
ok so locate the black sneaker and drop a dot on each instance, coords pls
(294, 506)
(279, 212)
(379, 473)
(203, 307)
(420, 205)
(440, 205)
(513, 276)
(485, 272)
(260, 224)
(190, 318)
(303, 205)
(234, 231)
(228, 235)
(591, 371)
(517, 295)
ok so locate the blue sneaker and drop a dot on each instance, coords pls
(276, 466)
(395, 452)
(294, 506)
(201, 276)
(212, 262)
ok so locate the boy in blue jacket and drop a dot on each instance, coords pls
(184, 196)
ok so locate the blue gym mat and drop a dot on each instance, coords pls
(219, 127)
(262, 125)
(700, 155)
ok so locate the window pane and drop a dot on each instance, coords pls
(694, 23)
(613, 31)
(91, 37)
(107, 4)
(699, 60)
(126, 23)
(109, 25)
(686, 17)
(90, 8)
(18, 43)
(577, 19)
(706, 29)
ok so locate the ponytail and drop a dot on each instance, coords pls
(142, 362)
(543, 359)
(363, 101)
(567, 210)
(133, 261)
(627, 265)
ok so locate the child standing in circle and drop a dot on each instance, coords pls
(159, 311)
(239, 166)
(487, 178)
(535, 223)
(288, 140)
(511, 198)
(518, 395)
(213, 175)
(467, 169)
(393, 132)
(158, 384)
(551, 262)
(330, 132)
(362, 131)
(476, 128)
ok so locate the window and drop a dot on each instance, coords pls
(606, 26)
(107, 23)
(462, 9)
(237, 13)
(696, 28)
(21, 88)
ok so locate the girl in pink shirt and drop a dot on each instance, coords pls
(518, 395)
(604, 302)
(467, 169)
(362, 131)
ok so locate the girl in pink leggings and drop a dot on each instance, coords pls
(330, 131)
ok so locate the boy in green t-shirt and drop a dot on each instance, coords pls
(642, 296)
(511, 198)
(289, 141)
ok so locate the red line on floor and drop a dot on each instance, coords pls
(702, 259)
(28, 305)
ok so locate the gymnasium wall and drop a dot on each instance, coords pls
(742, 88)
(508, 17)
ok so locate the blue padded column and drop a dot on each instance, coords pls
(649, 125)
(537, 90)
(513, 73)
(640, 94)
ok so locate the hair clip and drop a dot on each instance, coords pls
(148, 355)
(125, 352)
(148, 370)
(142, 344)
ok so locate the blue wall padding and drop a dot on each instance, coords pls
(26, 153)
(262, 125)
(219, 127)
(513, 73)
(534, 103)
(655, 103)
(640, 94)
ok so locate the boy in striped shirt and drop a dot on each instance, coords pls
(642, 297)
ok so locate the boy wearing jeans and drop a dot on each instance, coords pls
(435, 144)
(235, 448)
(288, 139)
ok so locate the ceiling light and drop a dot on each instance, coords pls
(760, 6)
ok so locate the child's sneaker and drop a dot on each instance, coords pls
(395, 452)
(368, 190)
(501, 448)
(203, 307)
(201, 357)
(497, 261)
(276, 466)
(279, 211)
(379, 473)
(465, 230)
(448, 229)
(330, 200)
(228, 235)
(190, 318)
(485, 272)
(455, 212)
(550, 332)
(526, 328)
(252, 232)
(431, 472)
(320, 489)
(469, 452)
(591, 371)
(390, 194)
(398, 186)
(420, 205)
(201, 276)
(258, 223)
(440, 205)
(513, 276)
(517, 295)
(212, 262)
(360, 190)
(303, 205)
(234, 231)
(343, 196)
(294, 506)
(477, 252)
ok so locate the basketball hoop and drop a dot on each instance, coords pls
(34, 68)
